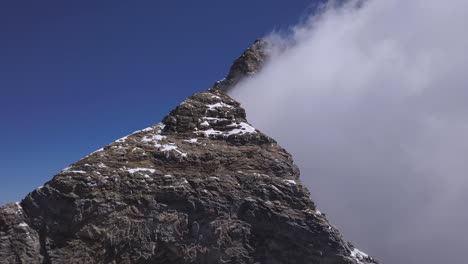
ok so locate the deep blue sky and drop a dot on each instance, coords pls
(76, 75)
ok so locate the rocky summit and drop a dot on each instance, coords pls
(202, 186)
(249, 63)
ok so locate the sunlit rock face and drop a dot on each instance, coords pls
(202, 186)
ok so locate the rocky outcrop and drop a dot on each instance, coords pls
(247, 64)
(202, 186)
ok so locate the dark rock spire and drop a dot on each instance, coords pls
(247, 64)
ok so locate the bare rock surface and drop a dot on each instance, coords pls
(202, 186)
(249, 63)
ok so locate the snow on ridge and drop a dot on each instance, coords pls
(76, 171)
(122, 139)
(244, 129)
(156, 139)
(192, 140)
(68, 169)
(290, 182)
(168, 147)
(96, 151)
(145, 129)
(159, 127)
(358, 255)
(218, 105)
(153, 138)
(20, 208)
(210, 132)
(215, 118)
(133, 170)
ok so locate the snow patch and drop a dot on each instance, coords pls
(215, 119)
(218, 105)
(133, 170)
(156, 140)
(146, 129)
(96, 151)
(210, 132)
(192, 140)
(243, 128)
(153, 138)
(289, 182)
(121, 139)
(168, 147)
(76, 171)
(20, 209)
(158, 127)
(358, 255)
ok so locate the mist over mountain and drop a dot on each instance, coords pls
(371, 97)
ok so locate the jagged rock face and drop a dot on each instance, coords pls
(202, 186)
(250, 62)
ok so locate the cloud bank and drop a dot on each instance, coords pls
(372, 101)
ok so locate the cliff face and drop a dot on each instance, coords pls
(202, 186)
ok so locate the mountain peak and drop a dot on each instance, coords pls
(202, 186)
(250, 62)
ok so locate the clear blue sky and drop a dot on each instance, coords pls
(76, 75)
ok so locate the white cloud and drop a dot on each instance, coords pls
(373, 104)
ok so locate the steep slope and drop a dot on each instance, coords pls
(202, 186)
(250, 62)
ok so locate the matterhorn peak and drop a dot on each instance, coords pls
(201, 186)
